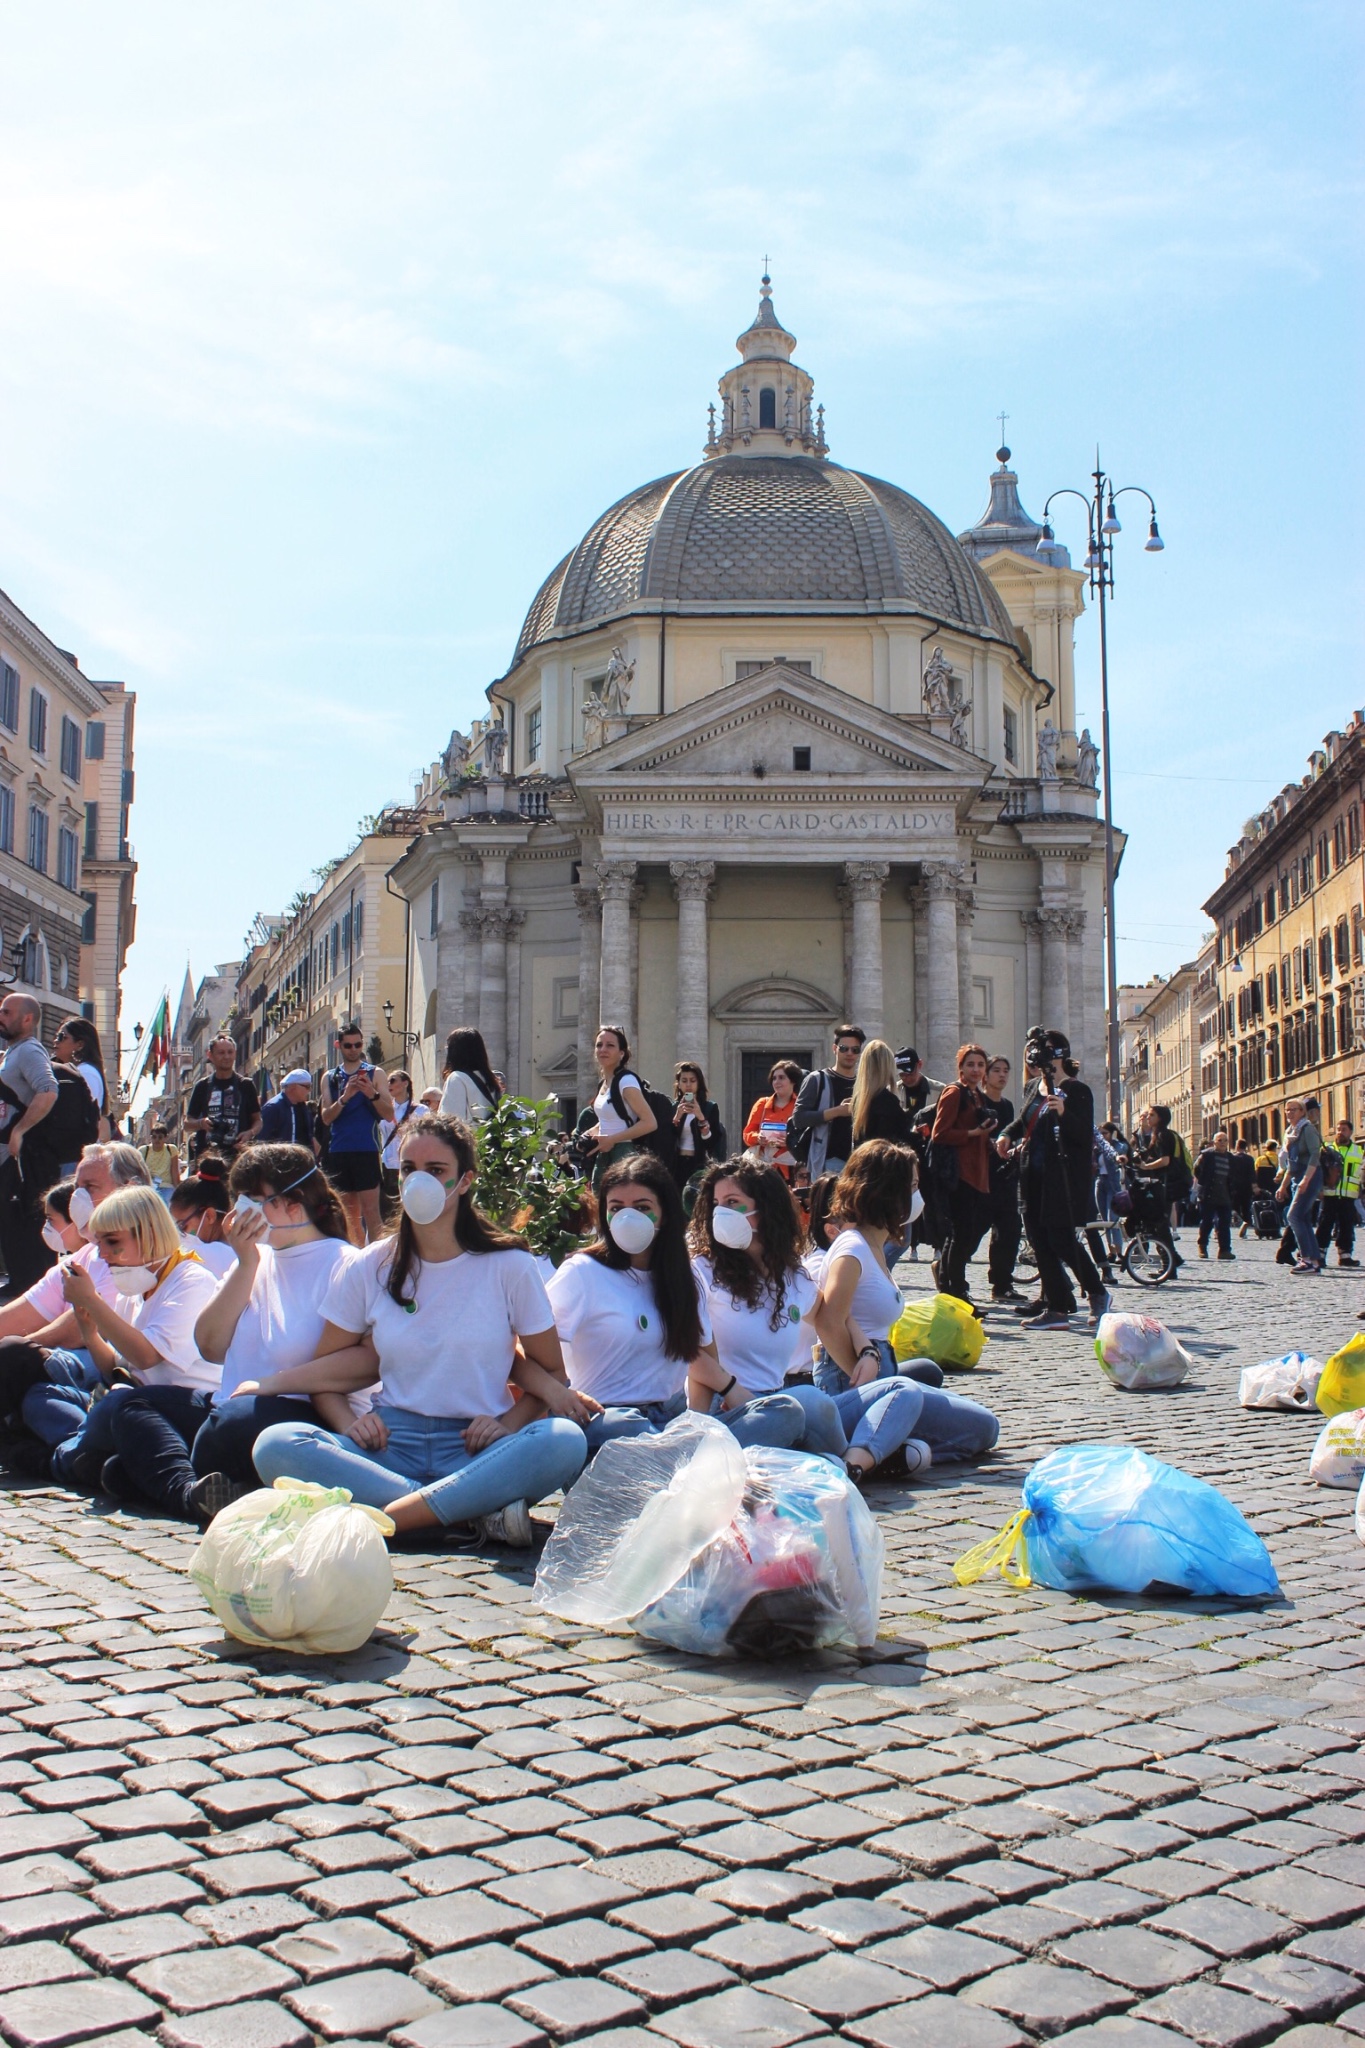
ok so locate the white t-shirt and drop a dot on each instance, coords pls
(45, 1295)
(392, 1129)
(747, 1345)
(93, 1081)
(612, 1333)
(876, 1299)
(608, 1122)
(463, 1097)
(451, 1353)
(220, 1258)
(282, 1321)
(167, 1318)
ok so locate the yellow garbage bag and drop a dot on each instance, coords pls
(940, 1327)
(1342, 1386)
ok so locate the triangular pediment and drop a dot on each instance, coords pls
(754, 727)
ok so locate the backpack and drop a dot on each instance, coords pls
(72, 1123)
(1330, 1160)
(662, 1141)
(1180, 1177)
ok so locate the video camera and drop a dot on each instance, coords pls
(1042, 1047)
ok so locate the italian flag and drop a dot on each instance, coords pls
(161, 1040)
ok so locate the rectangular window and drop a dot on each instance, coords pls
(1353, 828)
(1308, 965)
(126, 791)
(1324, 956)
(1324, 858)
(68, 858)
(71, 749)
(1272, 988)
(801, 760)
(37, 839)
(336, 947)
(533, 734)
(37, 721)
(1011, 737)
(1270, 904)
(358, 927)
(346, 935)
(92, 831)
(6, 821)
(1329, 1035)
(9, 696)
(94, 740)
(435, 918)
(88, 921)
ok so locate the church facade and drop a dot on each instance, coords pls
(775, 748)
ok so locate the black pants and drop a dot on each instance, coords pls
(1337, 1213)
(229, 1431)
(22, 1365)
(23, 1184)
(969, 1218)
(1215, 1216)
(1054, 1249)
(1007, 1227)
(152, 1436)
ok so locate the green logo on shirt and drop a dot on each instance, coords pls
(644, 1322)
(793, 1313)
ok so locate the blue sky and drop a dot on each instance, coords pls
(325, 330)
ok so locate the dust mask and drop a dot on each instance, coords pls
(52, 1238)
(632, 1230)
(733, 1229)
(424, 1197)
(82, 1207)
(133, 1279)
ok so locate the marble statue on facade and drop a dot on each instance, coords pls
(616, 684)
(1049, 739)
(959, 713)
(938, 686)
(456, 756)
(594, 723)
(495, 749)
(1087, 761)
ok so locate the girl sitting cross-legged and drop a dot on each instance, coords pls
(445, 1304)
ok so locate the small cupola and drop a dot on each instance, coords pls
(765, 400)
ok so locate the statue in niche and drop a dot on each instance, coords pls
(594, 723)
(959, 713)
(616, 684)
(1049, 739)
(938, 686)
(495, 748)
(1087, 761)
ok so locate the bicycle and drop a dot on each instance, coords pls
(1146, 1258)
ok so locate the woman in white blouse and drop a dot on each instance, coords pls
(623, 1115)
(471, 1089)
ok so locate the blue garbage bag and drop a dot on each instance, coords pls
(1106, 1515)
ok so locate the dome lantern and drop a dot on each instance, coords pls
(766, 398)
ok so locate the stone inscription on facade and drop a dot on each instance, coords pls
(780, 822)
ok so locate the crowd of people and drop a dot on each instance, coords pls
(313, 1290)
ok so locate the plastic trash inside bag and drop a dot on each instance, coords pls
(1342, 1386)
(1288, 1382)
(1106, 1515)
(1138, 1352)
(296, 1567)
(941, 1327)
(1338, 1456)
(715, 1549)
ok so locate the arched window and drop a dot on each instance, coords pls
(767, 407)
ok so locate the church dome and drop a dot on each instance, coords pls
(766, 523)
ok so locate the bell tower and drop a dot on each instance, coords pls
(765, 400)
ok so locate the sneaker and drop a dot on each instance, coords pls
(1203, 1251)
(1227, 1255)
(209, 1496)
(918, 1456)
(1100, 1305)
(1003, 1294)
(1048, 1321)
(1347, 1262)
(510, 1525)
(1030, 1308)
(115, 1482)
(857, 1475)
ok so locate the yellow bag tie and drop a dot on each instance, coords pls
(997, 1550)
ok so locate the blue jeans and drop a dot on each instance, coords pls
(877, 1417)
(1300, 1217)
(952, 1427)
(781, 1421)
(831, 1379)
(426, 1454)
(56, 1407)
(229, 1432)
(78, 1458)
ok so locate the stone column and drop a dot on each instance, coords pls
(588, 903)
(966, 914)
(941, 880)
(1078, 1030)
(450, 962)
(919, 905)
(866, 879)
(495, 923)
(471, 933)
(617, 879)
(1054, 926)
(693, 882)
(512, 1065)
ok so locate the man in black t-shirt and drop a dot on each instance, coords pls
(1007, 1222)
(224, 1110)
(824, 1106)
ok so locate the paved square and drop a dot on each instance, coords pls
(1027, 1816)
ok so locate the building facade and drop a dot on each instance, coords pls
(1165, 1061)
(774, 748)
(1290, 948)
(66, 869)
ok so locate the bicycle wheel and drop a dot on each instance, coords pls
(1147, 1260)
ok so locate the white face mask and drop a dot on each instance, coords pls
(632, 1229)
(916, 1206)
(52, 1238)
(424, 1196)
(733, 1229)
(82, 1207)
(247, 1205)
(133, 1279)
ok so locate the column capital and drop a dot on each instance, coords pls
(942, 877)
(617, 879)
(496, 921)
(587, 901)
(866, 879)
(693, 880)
(471, 922)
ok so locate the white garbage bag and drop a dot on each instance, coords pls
(1288, 1382)
(1338, 1457)
(296, 1567)
(1138, 1352)
(715, 1549)
(1360, 1512)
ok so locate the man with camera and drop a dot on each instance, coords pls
(225, 1111)
(1052, 1138)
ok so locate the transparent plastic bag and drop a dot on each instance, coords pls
(1342, 1386)
(1338, 1456)
(296, 1567)
(1138, 1352)
(941, 1327)
(1106, 1515)
(715, 1549)
(1288, 1382)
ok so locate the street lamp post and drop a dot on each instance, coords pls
(1102, 523)
(410, 1039)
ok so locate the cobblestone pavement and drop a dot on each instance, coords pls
(1030, 1816)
